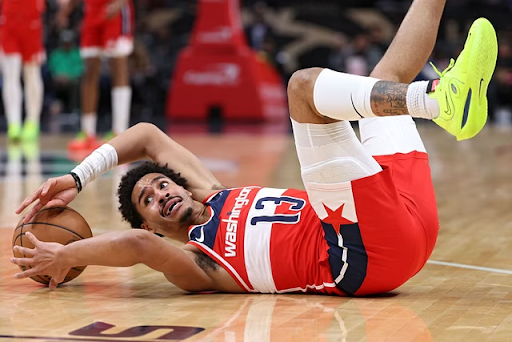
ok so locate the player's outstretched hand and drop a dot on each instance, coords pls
(43, 259)
(57, 191)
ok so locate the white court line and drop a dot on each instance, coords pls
(471, 267)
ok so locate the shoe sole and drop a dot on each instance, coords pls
(481, 65)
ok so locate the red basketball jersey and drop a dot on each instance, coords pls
(269, 240)
(22, 9)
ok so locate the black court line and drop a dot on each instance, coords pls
(43, 338)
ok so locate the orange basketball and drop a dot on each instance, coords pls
(56, 224)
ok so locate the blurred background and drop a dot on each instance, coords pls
(348, 36)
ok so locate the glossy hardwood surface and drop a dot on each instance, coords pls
(463, 294)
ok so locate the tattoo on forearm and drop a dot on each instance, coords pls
(389, 98)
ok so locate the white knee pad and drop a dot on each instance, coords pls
(331, 153)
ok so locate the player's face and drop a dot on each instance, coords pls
(163, 204)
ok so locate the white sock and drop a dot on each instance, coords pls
(33, 91)
(88, 122)
(419, 104)
(343, 96)
(11, 90)
(121, 101)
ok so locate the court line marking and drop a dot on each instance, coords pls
(471, 267)
(89, 339)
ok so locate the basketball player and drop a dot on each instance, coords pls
(22, 46)
(107, 30)
(368, 220)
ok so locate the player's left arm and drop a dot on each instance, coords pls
(118, 249)
(412, 44)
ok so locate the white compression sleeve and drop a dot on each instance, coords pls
(98, 162)
(343, 96)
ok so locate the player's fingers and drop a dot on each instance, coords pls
(22, 261)
(33, 211)
(55, 202)
(32, 238)
(53, 283)
(27, 274)
(47, 185)
(29, 200)
(24, 250)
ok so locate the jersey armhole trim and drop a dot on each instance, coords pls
(205, 249)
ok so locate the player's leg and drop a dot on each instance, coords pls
(33, 56)
(355, 198)
(458, 103)
(11, 90)
(329, 153)
(332, 159)
(91, 51)
(12, 94)
(119, 33)
(121, 94)
(33, 82)
(325, 144)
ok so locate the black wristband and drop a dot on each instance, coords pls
(78, 183)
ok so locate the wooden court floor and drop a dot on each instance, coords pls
(464, 293)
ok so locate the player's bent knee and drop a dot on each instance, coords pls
(302, 82)
(300, 97)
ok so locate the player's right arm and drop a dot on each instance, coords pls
(142, 141)
(146, 141)
(118, 249)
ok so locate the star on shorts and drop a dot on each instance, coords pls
(335, 217)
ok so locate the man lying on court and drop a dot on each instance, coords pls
(368, 219)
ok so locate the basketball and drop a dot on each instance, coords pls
(56, 224)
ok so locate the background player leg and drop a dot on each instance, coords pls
(11, 93)
(89, 103)
(33, 100)
(121, 94)
(119, 32)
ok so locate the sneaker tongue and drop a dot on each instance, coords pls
(432, 84)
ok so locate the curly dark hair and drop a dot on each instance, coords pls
(128, 181)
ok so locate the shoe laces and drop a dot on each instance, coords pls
(448, 68)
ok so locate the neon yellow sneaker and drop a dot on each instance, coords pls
(30, 131)
(462, 89)
(14, 132)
